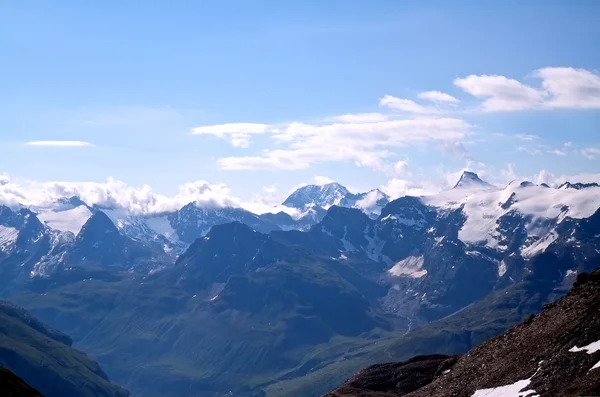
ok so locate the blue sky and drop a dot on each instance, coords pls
(126, 85)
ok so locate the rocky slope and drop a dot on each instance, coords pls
(555, 353)
(44, 358)
(13, 386)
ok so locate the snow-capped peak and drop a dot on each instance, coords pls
(470, 179)
(320, 195)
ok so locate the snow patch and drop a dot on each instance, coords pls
(411, 267)
(8, 235)
(501, 268)
(513, 390)
(540, 245)
(590, 349)
(161, 225)
(71, 220)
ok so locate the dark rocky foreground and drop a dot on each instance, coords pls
(396, 378)
(13, 386)
(544, 356)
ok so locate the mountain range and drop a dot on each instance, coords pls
(220, 300)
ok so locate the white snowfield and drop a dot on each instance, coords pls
(70, 220)
(8, 235)
(513, 390)
(546, 207)
(411, 267)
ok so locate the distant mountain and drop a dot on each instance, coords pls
(555, 353)
(192, 222)
(44, 358)
(578, 185)
(174, 231)
(325, 196)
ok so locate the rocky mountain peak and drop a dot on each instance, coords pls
(98, 227)
(577, 185)
(470, 179)
(73, 201)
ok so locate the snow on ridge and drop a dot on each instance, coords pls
(8, 235)
(69, 220)
(512, 390)
(161, 225)
(484, 206)
(412, 267)
(501, 268)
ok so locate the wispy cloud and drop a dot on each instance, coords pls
(529, 150)
(438, 96)
(405, 105)
(367, 144)
(558, 152)
(590, 153)
(359, 118)
(59, 143)
(238, 133)
(527, 137)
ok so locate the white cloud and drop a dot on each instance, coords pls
(59, 143)
(590, 153)
(359, 118)
(501, 93)
(114, 193)
(558, 152)
(401, 168)
(457, 149)
(568, 144)
(509, 173)
(405, 105)
(570, 87)
(401, 187)
(322, 180)
(238, 133)
(561, 87)
(529, 150)
(438, 96)
(544, 176)
(4, 179)
(527, 137)
(367, 144)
